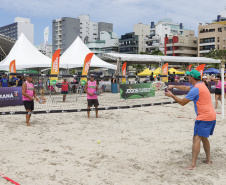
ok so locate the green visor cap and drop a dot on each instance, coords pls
(194, 73)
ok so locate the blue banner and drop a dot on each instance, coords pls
(10, 96)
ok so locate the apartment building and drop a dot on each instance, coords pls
(129, 43)
(21, 25)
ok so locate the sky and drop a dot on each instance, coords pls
(122, 13)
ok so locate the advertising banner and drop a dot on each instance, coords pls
(55, 67)
(200, 68)
(12, 67)
(188, 68)
(165, 72)
(10, 96)
(86, 66)
(124, 73)
(131, 91)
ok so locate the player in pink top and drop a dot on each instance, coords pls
(28, 95)
(90, 88)
(206, 115)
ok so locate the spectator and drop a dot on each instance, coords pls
(204, 79)
(4, 81)
(13, 81)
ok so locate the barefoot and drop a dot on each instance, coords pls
(190, 167)
(28, 125)
(97, 116)
(207, 162)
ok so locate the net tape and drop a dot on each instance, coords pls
(84, 110)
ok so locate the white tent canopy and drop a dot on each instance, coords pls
(26, 56)
(75, 55)
(133, 58)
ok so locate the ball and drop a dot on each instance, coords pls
(98, 141)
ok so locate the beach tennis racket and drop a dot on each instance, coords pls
(41, 100)
(98, 91)
(157, 86)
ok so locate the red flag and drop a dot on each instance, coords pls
(200, 68)
(188, 68)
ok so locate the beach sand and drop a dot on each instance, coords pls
(138, 146)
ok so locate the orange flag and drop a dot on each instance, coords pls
(200, 68)
(165, 72)
(55, 67)
(124, 73)
(86, 66)
(12, 67)
(188, 68)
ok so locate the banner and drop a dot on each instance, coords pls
(12, 67)
(86, 66)
(124, 73)
(188, 68)
(10, 96)
(55, 67)
(200, 68)
(165, 72)
(130, 91)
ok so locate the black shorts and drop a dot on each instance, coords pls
(92, 102)
(218, 91)
(29, 105)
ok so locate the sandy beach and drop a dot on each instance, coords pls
(138, 146)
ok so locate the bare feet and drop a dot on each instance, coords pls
(28, 124)
(97, 116)
(190, 167)
(207, 162)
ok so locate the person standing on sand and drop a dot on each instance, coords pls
(28, 95)
(206, 115)
(90, 88)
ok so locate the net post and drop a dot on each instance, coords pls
(222, 92)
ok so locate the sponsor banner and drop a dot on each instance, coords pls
(200, 68)
(188, 68)
(10, 96)
(12, 67)
(165, 72)
(131, 91)
(124, 73)
(86, 66)
(55, 67)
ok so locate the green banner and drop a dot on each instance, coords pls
(131, 91)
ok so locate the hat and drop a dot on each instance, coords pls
(204, 77)
(194, 73)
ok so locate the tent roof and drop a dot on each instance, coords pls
(26, 56)
(75, 55)
(176, 71)
(134, 58)
(146, 72)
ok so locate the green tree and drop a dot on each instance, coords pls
(219, 54)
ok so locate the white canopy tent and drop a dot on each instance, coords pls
(133, 58)
(75, 55)
(26, 56)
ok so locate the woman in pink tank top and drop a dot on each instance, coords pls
(90, 89)
(28, 95)
(218, 89)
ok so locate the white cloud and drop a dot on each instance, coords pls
(122, 13)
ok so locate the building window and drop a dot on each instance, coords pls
(212, 30)
(219, 29)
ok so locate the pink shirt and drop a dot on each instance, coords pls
(29, 91)
(218, 86)
(92, 87)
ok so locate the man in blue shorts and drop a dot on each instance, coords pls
(206, 115)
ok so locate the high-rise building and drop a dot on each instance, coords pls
(164, 28)
(108, 43)
(129, 43)
(212, 35)
(142, 31)
(179, 45)
(21, 25)
(65, 30)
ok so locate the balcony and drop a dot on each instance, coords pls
(154, 38)
(152, 46)
(204, 51)
(189, 52)
(207, 44)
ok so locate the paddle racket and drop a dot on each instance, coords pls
(8, 179)
(98, 91)
(157, 86)
(41, 100)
